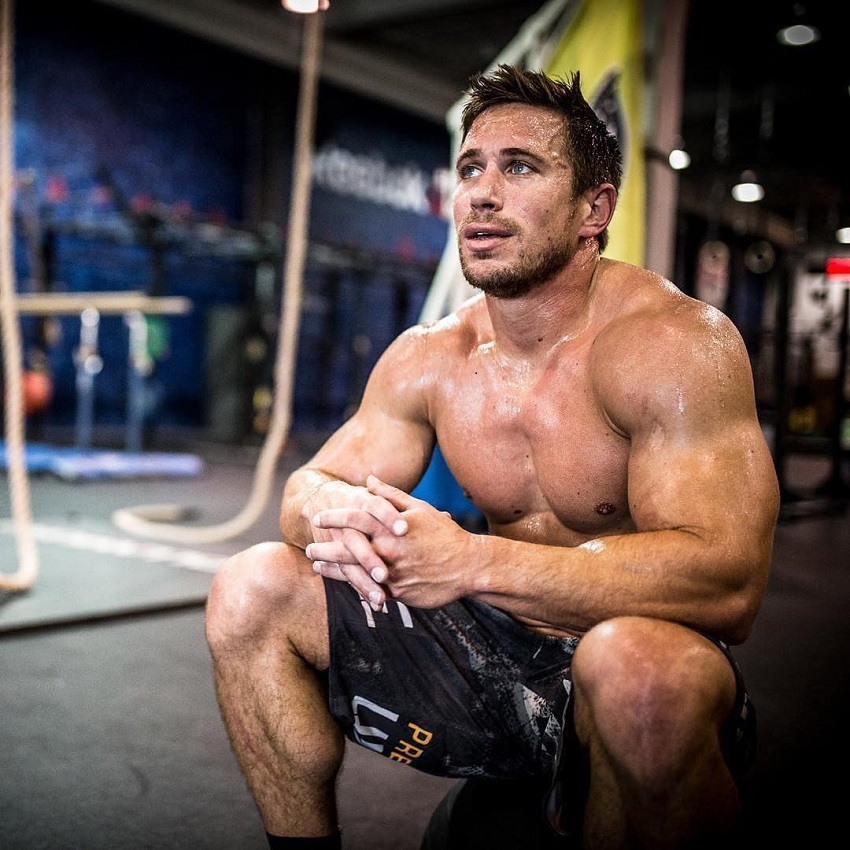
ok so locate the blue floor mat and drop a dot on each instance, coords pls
(72, 464)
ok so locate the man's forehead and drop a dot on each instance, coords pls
(513, 125)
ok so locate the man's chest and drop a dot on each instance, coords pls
(541, 452)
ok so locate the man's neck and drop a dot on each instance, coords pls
(550, 314)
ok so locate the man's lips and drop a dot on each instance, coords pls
(483, 237)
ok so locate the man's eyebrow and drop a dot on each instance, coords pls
(469, 153)
(504, 153)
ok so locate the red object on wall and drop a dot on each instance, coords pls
(838, 267)
(38, 392)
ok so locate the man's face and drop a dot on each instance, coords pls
(513, 208)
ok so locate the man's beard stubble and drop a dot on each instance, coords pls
(525, 275)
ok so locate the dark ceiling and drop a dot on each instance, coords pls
(748, 102)
(789, 108)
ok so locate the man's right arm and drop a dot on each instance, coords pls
(300, 501)
(389, 435)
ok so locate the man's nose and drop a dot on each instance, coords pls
(488, 191)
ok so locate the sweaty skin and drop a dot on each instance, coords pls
(602, 416)
(605, 424)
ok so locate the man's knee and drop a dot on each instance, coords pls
(254, 588)
(651, 689)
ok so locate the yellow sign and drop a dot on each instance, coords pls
(604, 43)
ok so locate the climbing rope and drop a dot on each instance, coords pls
(161, 521)
(27, 570)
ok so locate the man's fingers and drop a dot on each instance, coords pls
(330, 550)
(327, 569)
(345, 518)
(377, 515)
(349, 547)
(398, 498)
(356, 576)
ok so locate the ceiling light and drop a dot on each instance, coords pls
(799, 33)
(842, 235)
(305, 7)
(748, 189)
(679, 159)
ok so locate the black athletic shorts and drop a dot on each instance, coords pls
(463, 690)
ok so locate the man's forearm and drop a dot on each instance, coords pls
(300, 487)
(666, 574)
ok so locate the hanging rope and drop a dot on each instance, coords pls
(27, 570)
(159, 521)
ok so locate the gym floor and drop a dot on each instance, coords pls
(110, 732)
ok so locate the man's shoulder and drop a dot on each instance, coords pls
(465, 323)
(649, 303)
(657, 326)
(452, 334)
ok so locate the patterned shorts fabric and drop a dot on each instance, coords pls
(463, 690)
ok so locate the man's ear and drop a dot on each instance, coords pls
(602, 200)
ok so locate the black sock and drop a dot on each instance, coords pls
(327, 842)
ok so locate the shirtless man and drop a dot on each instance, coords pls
(605, 425)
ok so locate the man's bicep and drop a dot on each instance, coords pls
(389, 434)
(369, 443)
(716, 481)
(700, 461)
(698, 457)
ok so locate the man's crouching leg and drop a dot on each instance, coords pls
(651, 698)
(267, 632)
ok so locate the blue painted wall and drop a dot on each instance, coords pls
(129, 129)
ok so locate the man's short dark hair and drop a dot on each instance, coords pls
(592, 150)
